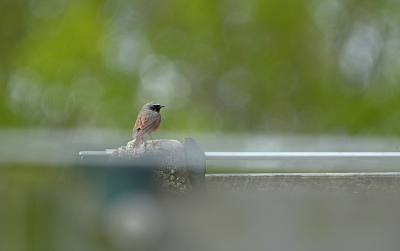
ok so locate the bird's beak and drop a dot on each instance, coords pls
(161, 106)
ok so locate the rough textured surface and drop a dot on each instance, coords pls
(167, 157)
(305, 183)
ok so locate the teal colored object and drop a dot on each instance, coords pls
(114, 180)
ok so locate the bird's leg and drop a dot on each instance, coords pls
(152, 140)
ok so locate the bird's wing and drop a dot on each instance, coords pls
(143, 127)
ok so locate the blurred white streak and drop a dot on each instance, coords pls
(61, 147)
(124, 50)
(127, 19)
(237, 12)
(47, 9)
(331, 18)
(161, 81)
(123, 45)
(55, 146)
(299, 143)
(131, 51)
(360, 54)
(135, 222)
(24, 92)
(386, 82)
(327, 12)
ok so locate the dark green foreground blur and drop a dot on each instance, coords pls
(52, 209)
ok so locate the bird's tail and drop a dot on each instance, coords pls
(137, 142)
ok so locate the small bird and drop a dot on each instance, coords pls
(147, 122)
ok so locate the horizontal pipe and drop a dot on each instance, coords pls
(300, 155)
(304, 175)
(280, 155)
(93, 153)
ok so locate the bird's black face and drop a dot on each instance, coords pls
(156, 107)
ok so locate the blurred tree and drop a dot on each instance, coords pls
(290, 66)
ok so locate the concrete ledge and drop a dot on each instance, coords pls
(305, 183)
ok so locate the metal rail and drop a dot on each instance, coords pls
(301, 155)
(280, 155)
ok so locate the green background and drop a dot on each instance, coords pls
(218, 66)
(226, 67)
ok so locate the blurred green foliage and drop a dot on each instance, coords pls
(318, 66)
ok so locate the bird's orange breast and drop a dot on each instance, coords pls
(156, 128)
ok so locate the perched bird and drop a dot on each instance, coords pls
(147, 122)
